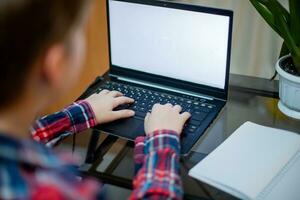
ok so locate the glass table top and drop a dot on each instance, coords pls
(111, 159)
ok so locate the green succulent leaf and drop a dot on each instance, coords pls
(286, 24)
(284, 50)
(265, 12)
(295, 20)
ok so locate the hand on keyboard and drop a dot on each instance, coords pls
(166, 117)
(105, 102)
(146, 98)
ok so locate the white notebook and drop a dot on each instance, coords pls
(255, 162)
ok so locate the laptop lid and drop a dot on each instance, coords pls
(183, 46)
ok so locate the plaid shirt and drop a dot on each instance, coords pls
(29, 170)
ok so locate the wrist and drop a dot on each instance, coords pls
(81, 113)
(162, 140)
(162, 132)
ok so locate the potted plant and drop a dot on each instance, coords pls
(287, 25)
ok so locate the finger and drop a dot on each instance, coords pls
(103, 92)
(155, 106)
(147, 117)
(169, 105)
(122, 100)
(115, 94)
(146, 122)
(121, 114)
(178, 108)
(185, 116)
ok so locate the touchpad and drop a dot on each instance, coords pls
(128, 128)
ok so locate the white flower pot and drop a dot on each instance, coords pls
(289, 92)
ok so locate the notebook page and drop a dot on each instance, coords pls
(286, 184)
(248, 160)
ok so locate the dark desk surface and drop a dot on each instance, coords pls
(250, 99)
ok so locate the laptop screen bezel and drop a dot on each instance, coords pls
(167, 81)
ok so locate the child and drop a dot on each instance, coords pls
(42, 46)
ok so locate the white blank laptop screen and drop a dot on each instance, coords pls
(185, 45)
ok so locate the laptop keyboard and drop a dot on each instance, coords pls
(145, 99)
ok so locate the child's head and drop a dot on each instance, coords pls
(41, 46)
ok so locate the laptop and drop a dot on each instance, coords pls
(166, 52)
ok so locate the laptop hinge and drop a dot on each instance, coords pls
(158, 86)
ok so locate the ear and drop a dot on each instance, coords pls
(53, 66)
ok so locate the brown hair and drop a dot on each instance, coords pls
(27, 28)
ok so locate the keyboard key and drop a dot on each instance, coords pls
(190, 129)
(202, 109)
(195, 122)
(135, 108)
(143, 109)
(188, 110)
(199, 116)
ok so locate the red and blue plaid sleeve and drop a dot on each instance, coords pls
(73, 119)
(157, 166)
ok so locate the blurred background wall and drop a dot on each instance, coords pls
(254, 52)
(255, 47)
